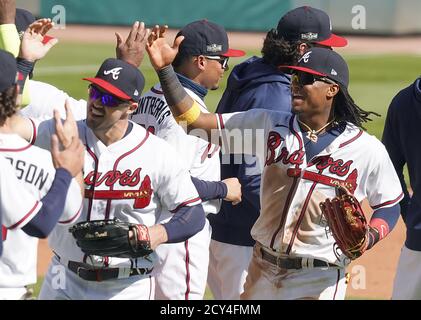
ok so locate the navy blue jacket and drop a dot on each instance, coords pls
(401, 137)
(252, 84)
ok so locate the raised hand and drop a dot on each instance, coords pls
(70, 158)
(7, 11)
(161, 54)
(67, 129)
(132, 50)
(34, 46)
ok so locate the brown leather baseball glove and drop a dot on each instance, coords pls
(346, 222)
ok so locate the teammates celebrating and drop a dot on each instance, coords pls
(128, 173)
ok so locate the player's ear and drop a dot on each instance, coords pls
(332, 91)
(201, 62)
(302, 48)
(133, 106)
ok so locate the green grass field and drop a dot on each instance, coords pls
(374, 79)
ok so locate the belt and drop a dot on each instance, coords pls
(294, 263)
(103, 274)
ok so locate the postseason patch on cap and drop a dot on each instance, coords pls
(214, 48)
(309, 36)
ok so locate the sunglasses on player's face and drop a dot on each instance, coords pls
(107, 100)
(222, 60)
(305, 79)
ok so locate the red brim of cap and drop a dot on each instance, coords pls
(303, 69)
(234, 53)
(108, 87)
(334, 41)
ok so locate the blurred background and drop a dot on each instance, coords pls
(383, 56)
(385, 17)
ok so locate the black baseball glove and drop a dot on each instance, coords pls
(110, 238)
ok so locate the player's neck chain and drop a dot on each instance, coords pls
(312, 134)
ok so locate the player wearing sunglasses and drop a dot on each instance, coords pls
(295, 255)
(222, 60)
(129, 175)
(105, 110)
(258, 83)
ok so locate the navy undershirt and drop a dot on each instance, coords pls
(210, 190)
(189, 220)
(129, 129)
(52, 208)
(325, 139)
(185, 223)
(193, 86)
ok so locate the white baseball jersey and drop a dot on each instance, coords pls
(34, 168)
(199, 157)
(292, 186)
(44, 98)
(132, 180)
(176, 279)
(18, 206)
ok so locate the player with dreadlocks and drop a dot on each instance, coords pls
(257, 83)
(345, 109)
(307, 154)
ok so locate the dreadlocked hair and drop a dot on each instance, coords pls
(346, 110)
(7, 104)
(278, 51)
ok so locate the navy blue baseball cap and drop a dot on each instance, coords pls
(310, 25)
(323, 62)
(206, 38)
(119, 78)
(8, 70)
(23, 19)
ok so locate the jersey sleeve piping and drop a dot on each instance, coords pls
(28, 216)
(220, 121)
(193, 202)
(74, 217)
(388, 203)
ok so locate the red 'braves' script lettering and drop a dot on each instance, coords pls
(273, 142)
(337, 167)
(126, 178)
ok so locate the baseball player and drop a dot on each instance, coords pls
(200, 64)
(53, 96)
(41, 191)
(306, 155)
(255, 84)
(34, 167)
(399, 137)
(195, 283)
(122, 161)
